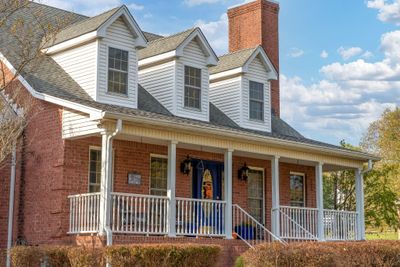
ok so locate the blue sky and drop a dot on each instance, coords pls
(340, 59)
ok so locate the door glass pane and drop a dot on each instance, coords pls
(255, 194)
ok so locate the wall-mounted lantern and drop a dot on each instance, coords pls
(243, 174)
(186, 165)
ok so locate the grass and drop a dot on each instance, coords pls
(389, 235)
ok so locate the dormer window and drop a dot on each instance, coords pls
(192, 87)
(117, 71)
(256, 101)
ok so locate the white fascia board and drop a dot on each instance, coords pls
(233, 134)
(46, 97)
(154, 59)
(71, 43)
(227, 73)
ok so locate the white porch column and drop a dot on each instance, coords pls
(171, 185)
(320, 200)
(275, 223)
(228, 192)
(105, 184)
(360, 204)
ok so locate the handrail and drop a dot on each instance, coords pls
(256, 234)
(202, 200)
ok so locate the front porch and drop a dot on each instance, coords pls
(282, 199)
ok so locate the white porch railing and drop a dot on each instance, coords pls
(249, 229)
(84, 213)
(139, 214)
(340, 225)
(198, 217)
(297, 223)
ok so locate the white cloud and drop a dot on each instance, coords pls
(295, 52)
(200, 2)
(324, 54)
(347, 53)
(367, 55)
(134, 6)
(389, 11)
(216, 33)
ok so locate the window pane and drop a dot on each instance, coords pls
(94, 170)
(297, 190)
(117, 71)
(256, 96)
(158, 176)
(192, 87)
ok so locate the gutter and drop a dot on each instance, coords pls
(206, 129)
(11, 204)
(107, 227)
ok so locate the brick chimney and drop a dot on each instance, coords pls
(256, 23)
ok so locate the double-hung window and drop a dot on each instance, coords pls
(117, 71)
(158, 175)
(192, 87)
(255, 194)
(94, 170)
(297, 190)
(256, 96)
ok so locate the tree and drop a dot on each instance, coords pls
(27, 40)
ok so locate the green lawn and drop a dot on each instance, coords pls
(382, 235)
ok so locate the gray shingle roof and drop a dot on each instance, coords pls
(152, 36)
(164, 45)
(48, 77)
(86, 25)
(233, 60)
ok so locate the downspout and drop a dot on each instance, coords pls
(11, 203)
(107, 227)
(369, 168)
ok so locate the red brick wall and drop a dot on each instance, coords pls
(133, 156)
(4, 200)
(257, 23)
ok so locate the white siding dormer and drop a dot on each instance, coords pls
(120, 37)
(164, 78)
(193, 56)
(87, 60)
(256, 73)
(230, 91)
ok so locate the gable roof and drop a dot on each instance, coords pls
(152, 36)
(50, 81)
(241, 59)
(97, 25)
(177, 42)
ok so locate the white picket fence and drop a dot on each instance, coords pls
(199, 217)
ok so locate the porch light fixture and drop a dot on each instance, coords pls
(186, 165)
(244, 173)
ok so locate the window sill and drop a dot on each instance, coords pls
(117, 94)
(192, 109)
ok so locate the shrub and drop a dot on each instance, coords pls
(163, 255)
(371, 253)
(26, 256)
(57, 256)
(83, 257)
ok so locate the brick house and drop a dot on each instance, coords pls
(138, 137)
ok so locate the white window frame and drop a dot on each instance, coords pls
(304, 188)
(155, 156)
(97, 148)
(257, 100)
(127, 72)
(193, 87)
(263, 198)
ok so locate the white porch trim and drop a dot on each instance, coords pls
(360, 203)
(228, 192)
(275, 223)
(320, 200)
(171, 185)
